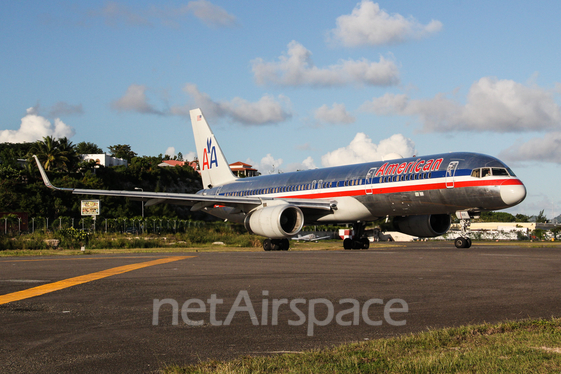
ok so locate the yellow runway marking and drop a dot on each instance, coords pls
(65, 283)
(75, 258)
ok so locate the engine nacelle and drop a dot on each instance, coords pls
(275, 222)
(426, 226)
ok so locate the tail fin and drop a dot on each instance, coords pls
(214, 168)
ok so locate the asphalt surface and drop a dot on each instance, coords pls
(107, 325)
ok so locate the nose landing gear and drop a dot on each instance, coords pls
(464, 240)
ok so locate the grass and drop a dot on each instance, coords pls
(528, 346)
(253, 246)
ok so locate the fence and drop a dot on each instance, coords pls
(16, 226)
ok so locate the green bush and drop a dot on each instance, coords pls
(198, 234)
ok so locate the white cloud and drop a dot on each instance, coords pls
(271, 165)
(545, 149)
(115, 13)
(34, 127)
(266, 110)
(135, 100)
(62, 108)
(190, 156)
(296, 68)
(369, 25)
(303, 147)
(491, 105)
(361, 149)
(170, 151)
(336, 115)
(211, 15)
(308, 163)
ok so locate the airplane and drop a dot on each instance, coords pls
(310, 238)
(419, 193)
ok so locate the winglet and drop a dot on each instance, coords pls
(45, 178)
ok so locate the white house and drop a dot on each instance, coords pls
(105, 160)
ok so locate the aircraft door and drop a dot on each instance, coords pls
(450, 173)
(370, 180)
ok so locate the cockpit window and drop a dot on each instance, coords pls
(500, 172)
(487, 172)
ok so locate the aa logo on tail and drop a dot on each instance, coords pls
(210, 149)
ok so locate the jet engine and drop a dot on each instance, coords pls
(425, 226)
(275, 222)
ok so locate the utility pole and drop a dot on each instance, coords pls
(141, 201)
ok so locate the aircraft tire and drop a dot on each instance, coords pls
(357, 244)
(365, 243)
(267, 245)
(462, 243)
(284, 244)
(348, 243)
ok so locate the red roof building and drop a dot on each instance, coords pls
(242, 169)
(174, 162)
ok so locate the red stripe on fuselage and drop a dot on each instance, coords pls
(378, 189)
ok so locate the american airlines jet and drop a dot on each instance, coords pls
(420, 193)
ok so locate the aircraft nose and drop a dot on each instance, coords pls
(513, 194)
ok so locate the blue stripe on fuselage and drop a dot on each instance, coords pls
(341, 176)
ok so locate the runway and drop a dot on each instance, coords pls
(109, 324)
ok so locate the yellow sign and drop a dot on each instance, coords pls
(90, 207)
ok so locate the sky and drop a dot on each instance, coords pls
(291, 85)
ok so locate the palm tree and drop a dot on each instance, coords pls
(46, 150)
(71, 157)
(55, 153)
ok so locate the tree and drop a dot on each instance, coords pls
(522, 218)
(541, 218)
(496, 217)
(84, 148)
(68, 150)
(56, 154)
(8, 157)
(123, 151)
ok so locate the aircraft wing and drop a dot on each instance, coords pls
(196, 201)
(310, 238)
(323, 238)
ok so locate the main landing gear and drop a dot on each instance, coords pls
(357, 242)
(276, 244)
(463, 241)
